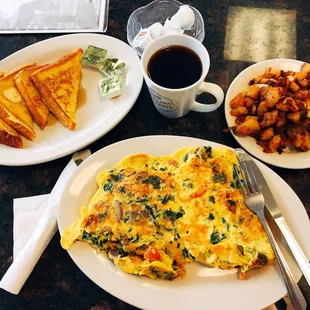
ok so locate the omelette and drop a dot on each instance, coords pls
(152, 215)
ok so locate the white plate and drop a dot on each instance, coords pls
(95, 118)
(196, 290)
(290, 158)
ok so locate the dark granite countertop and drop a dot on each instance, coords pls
(56, 282)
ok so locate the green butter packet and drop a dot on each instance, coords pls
(111, 87)
(94, 56)
(113, 66)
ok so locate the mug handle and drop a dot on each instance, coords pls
(213, 89)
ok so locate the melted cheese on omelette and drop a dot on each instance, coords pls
(154, 214)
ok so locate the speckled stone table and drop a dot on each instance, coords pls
(56, 282)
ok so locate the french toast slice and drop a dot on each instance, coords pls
(9, 136)
(59, 84)
(30, 94)
(20, 68)
(12, 106)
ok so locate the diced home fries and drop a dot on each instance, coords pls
(275, 110)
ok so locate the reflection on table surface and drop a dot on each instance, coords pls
(49, 15)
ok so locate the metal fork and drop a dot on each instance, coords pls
(255, 201)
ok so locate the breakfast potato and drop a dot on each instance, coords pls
(290, 78)
(248, 127)
(294, 117)
(269, 118)
(298, 140)
(293, 132)
(268, 72)
(300, 75)
(253, 110)
(281, 122)
(274, 144)
(301, 105)
(302, 94)
(239, 111)
(262, 109)
(292, 104)
(278, 113)
(294, 87)
(283, 105)
(303, 83)
(253, 91)
(248, 102)
(267, 133)
(305, 68)
(275, 73)
(272, 97)
(237, 102)
(264, 91)
(306, 142)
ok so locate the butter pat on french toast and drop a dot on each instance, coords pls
(30, 94)
(13, 110)
(59, 84)
(9, 136)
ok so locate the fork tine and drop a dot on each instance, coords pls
(243, 185)
(251, 177)
(245, 177)
(244, 160)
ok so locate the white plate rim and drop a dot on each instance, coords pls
(36, 158)
(284, 160)
(195, 141)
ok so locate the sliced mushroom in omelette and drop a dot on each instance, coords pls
(154, 214)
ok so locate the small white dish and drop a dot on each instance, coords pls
(198, 290)
(94, 118)
(290, 158)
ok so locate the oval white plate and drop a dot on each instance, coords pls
(289, 159)
(95, 118)
(197, 290)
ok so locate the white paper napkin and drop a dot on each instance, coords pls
(36, 220)
(27, 213)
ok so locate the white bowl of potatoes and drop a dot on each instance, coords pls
(267, 109)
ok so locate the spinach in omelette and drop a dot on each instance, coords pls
(155, 214)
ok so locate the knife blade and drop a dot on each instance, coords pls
(275, 212)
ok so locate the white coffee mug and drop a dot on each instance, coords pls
(175, 103)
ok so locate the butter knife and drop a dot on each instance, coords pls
(275, 212)
(79, 157)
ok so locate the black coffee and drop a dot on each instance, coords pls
(175, 66)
